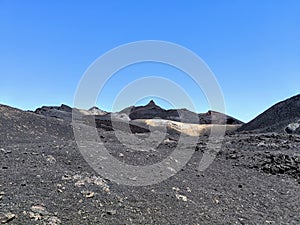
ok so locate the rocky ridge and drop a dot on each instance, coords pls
(283, 117)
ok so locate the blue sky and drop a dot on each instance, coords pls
(253, 48)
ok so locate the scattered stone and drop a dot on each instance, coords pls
(292, 127)
(181, 197)
(233, 156)
(132, 178)
(111, 212)
(82, 181)
(217, 201)
(68, 162)
(53, 220)
(34, 216)
(5, 151)
(106, 189)
(281, 164)
(50, 159)
(60, 188)
(66, 177)
(39, 209)
(79, 183)
(77, 177)
(261, 144)
(171, 169)
(98, 181)
(169, 141)
(175, 189)
(7, 217)
(90, 195)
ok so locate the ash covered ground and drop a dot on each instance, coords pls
(44, 179)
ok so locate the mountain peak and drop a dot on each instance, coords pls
(151, 103)
(93, 108)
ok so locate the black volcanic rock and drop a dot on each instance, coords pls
(282, 117)
(62, 112)
(151, 111)
(213, 117)
(94, 111)
(19, 126)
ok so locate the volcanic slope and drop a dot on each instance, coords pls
(153, 111)
(22, 126)
(282, 117)
(65, 112)
(253, 179)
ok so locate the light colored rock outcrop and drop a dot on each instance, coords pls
(188, 128)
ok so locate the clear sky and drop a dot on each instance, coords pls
(253, 48)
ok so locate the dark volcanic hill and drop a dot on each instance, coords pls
(282, 117)
(65, 112)
(151, 110)
(62, 112)
(19, 126)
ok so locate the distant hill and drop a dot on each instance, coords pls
(65, 112)
(282, 117)
(149, 111)
(153, 111)
(20, 126)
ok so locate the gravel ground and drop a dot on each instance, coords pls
(44, 179)
(253, 180)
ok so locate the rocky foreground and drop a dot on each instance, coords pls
(44, 179)
(254, 180)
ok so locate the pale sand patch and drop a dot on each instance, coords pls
(188, 128)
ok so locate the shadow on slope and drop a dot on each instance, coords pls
(282, 117)
(20, 126)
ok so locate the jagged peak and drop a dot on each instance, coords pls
(94, 108)
(151, 103)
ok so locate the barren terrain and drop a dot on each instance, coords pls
(255, 178)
